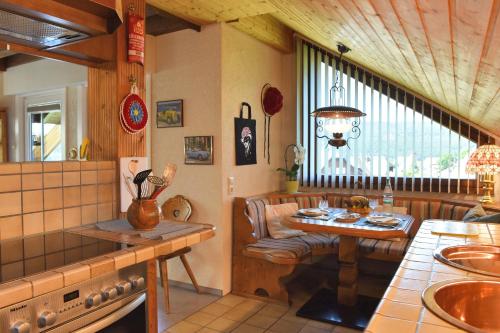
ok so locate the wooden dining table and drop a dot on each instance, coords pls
(345, 307)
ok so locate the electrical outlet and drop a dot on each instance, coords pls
(230, 185)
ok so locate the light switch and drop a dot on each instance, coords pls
(230, 185)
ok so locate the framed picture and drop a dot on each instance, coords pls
(169, 114)
(198, 150)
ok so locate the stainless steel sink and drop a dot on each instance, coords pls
(482, 259)
(469, 304)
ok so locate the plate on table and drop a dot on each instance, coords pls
(383, 220)
(312, 212)
(347, 217)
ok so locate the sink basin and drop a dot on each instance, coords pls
(482, 259)
(469, 304)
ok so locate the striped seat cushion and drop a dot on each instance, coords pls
(391, 248)
(295, 248)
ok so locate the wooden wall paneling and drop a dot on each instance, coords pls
(102, 106)
(425, 72)
(438, 35)
(129, 144)
(469, 22)
(486, 93)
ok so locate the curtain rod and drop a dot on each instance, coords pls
(297, 35)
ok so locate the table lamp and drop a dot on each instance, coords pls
(485, 161)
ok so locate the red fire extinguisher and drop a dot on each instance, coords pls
(136, 28)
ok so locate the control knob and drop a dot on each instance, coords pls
(136, 281)
(20, 327)
(109, 293)
(93, 299)
(47, 318)
(123, 287)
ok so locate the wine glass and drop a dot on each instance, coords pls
(373, 203)
(323, 204)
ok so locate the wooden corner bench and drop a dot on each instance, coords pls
(260, 263)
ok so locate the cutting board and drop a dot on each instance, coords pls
(125, 197)
(455, 229)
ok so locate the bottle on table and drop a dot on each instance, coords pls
(388, 197)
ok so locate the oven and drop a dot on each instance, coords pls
(113, 302)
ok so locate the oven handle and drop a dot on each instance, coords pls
(113, 317)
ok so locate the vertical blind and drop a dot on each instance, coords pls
(420, 146)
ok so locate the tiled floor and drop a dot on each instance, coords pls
(207, 313)
(243, 315)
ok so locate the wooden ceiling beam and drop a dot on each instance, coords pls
(159, 22)
(91, 49)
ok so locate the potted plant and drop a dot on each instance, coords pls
(292, 184)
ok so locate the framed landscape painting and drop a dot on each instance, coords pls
(198, 150)
(169, 114)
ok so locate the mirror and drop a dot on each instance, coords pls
(43, 107)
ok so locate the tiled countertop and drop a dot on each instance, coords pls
(144, 249)
(401, 309)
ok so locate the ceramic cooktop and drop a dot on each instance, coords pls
(26, 256)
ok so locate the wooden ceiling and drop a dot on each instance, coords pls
(444, 50)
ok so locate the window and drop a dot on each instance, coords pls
(420, 146)
(44, 132)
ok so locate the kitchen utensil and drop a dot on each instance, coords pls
(157, 192)
(169, 173)
(130, 188)
(139, 179)
(132, 167)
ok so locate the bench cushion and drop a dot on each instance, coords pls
(392, 248)
(292, 250)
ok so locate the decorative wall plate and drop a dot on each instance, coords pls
(134, 113)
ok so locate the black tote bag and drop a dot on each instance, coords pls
(245, 137)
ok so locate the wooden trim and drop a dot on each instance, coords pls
(5, 136)
(151, 298)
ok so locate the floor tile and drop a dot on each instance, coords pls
(207, 330)
(184, 327)
(261, 320)
(201, 318)
(274, 310)
(231, 300)
(340, 329)
(285, 326)
(239, 314)
(312, 329)
(216, 309)
(223, 325)
(245, 328)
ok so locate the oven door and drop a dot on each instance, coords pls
(127, 315)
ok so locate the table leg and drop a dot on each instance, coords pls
(347, 290)
(151, 303)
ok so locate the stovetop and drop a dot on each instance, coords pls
(26, 256)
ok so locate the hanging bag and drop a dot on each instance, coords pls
(245, 137)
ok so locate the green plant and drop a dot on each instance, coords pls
(292, 172)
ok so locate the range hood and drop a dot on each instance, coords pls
(51, 23)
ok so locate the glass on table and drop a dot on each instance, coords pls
(373, 203)
(323, 204)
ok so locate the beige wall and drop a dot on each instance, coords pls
(188, 68)
(213, 71)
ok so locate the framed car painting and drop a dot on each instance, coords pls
(198, 150)
(169, 114)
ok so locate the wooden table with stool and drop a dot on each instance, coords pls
(346, 307)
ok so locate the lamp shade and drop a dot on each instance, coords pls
(485, 160)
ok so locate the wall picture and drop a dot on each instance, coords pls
(245, 137)
(198, 150)
(169, 114)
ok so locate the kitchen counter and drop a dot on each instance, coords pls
(401, 309)
(143, 250)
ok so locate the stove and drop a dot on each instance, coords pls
(95, 305)
(22, 257)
